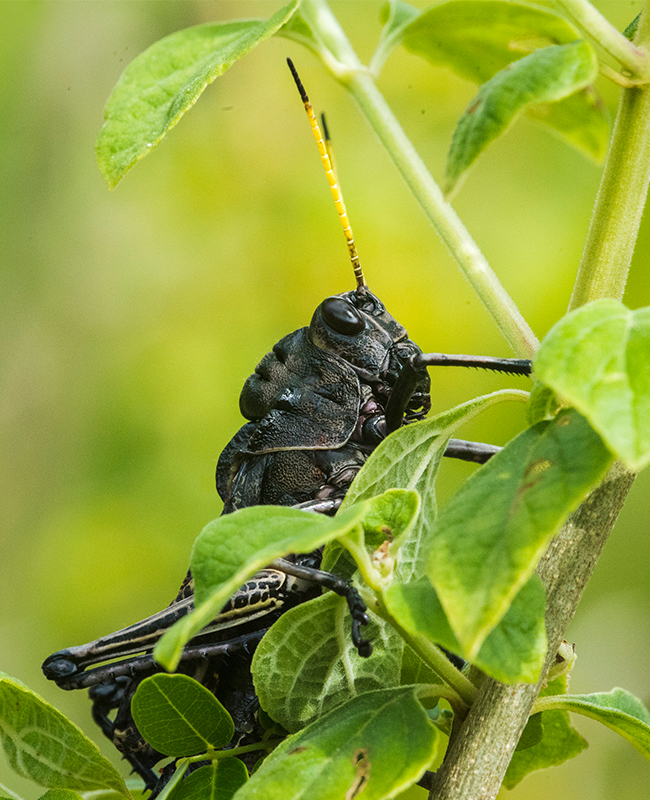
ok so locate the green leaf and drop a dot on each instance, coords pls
(373, 746)
(216, 781)
(298, 29)
(559, 742)
(162, 83)
(139, 793)
(544, 76)
(478, 38)
(598, 359)
(514, 650)
(306, 664)
(44, 746)
(137, 788)
(580, 119)
(532, 733)
(410, 459)
(619, 710)
(407, 457)
(60, 794)
(489, 538)
(233, 547)
(543, 404)
(180, 717)
(415, 670)
(390, 517)
(630, 31)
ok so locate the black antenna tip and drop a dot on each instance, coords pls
(296, 77)
(326, 132)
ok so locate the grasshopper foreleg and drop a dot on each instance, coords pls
(416, 365)
(327, 580)
(106, 697)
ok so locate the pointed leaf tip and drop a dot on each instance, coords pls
(165, 81)
(544, 76)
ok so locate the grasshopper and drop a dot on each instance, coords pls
(317, 406)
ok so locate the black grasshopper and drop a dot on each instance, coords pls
(317, 406)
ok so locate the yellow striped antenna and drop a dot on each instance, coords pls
(328, 144)
(324, 150)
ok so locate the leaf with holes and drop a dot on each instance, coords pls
(488, 539)
(374, 746)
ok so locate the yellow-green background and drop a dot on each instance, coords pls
(129, 320)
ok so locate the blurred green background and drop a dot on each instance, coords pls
(131, 319)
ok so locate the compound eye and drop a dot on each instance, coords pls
(341, 316)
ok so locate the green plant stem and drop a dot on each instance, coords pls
(352, 74)
(181, 766)
(621, 198)
(617, 78)
(359, 552)
(216, 755)
(428, 652)
(594, 24)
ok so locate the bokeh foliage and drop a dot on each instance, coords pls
(131, 319)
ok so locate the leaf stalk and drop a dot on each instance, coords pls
(216, 755)
(446, 693)
(429, 653)
(593, 23)
(549, 703)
